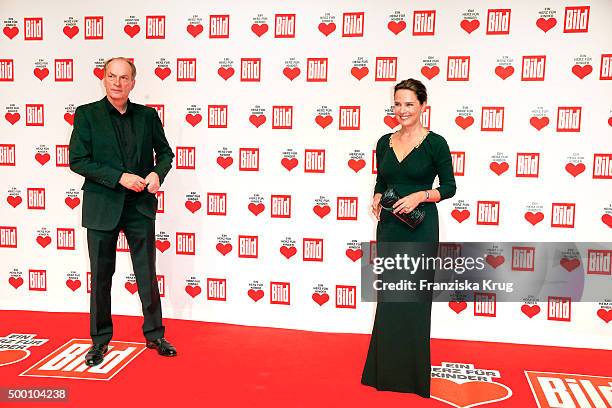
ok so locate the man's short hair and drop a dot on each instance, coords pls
(129, 62)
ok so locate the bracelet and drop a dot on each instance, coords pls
(426, 195)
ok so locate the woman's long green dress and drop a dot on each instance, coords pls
(399, 353)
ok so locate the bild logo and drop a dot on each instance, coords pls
(484, 304)
(523, 259)
(602, 166)
(216, 203)
(352, 24)
(492, 119)
(284, 26)
(248, 246)
(527, 165)
(458, 68)
(32, 28)
(64, 70)
(313, 249)
(280, 206)
(488, 213)
(282, 117)
(559, 308)
(350, 117)
(249, 159)
(68, 361)
(94, 28)
(563, 215)
(7, 154)
(551, 390)
(280, 293)
(35, 114)
(156, 27)
(217, 116)
(185, 157)
(424, 22)
(458, 163)
(569, 118)
(386, 69)
(219, 26)
(186, 69)
(37, 280)
(316, 70)
(314, 161)
(346, 297)
(36, 198)
(534, 68)
(498, 21)
(576, 19)
(216, 289)
(185, 243)
(8, 237)
(7, 70)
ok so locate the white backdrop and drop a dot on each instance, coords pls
(520, 36)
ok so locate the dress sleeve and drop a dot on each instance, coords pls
(381, 185)
(444, 168)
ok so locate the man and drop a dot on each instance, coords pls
(112, 146)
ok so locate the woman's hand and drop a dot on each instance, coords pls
(375, 208)
(406, 204)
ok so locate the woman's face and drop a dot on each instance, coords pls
(407, 108)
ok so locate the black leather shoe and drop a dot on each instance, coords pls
(96, 354)
(163, 347)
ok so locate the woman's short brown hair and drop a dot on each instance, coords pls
(415, 86)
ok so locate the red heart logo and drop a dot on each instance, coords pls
(257, 120)
(460, 216)
(464, 122)
(72, 202)
(71, 31)
(291, 73)
(324, 121)
(530, 310)
(259, 29)
(16, 282)
(99, 73)
(499, 167)
(131, 30)
(14, 201)
(256, 208)
(391, 121)
(396, 27)
(193, 291)
(69, 118)
(320, 298)
(289, 164)
(12, 356)
(162, 73)
(73, 284)
(225, 162)
(582, 71)
(41, 73)
(12, 118)
(534, 218)
(610, 121)
(539, 123)
(604, 314)
(225, 73)
(321, 210)
(354, 254)
(504, 72)
(458, 307)
(162, 246)
(224, 249)
(607, 219)
(195, 29)
(193, 119)
(430, 72)
(495, 261)
(131, 287)
(569, 264)
(193, 206)
(356, 165)
(468, 394)
(42, 158)
(10, 32)
(288, 252)
(327, 28)
(255, 294)
(546, 24)
(470, 25)
(359, 72)
(575, 169)
(43, 241)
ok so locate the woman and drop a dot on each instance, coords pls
(408, 161)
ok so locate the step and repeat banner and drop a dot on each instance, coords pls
(273, 110)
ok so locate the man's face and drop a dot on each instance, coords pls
(118, 80)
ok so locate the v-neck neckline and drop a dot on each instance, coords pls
(411, 150)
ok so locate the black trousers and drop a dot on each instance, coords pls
(140, 233)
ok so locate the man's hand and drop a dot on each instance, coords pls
(152, 181)
(133, 182)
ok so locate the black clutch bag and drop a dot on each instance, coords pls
(412, 219)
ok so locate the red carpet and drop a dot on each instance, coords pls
(260, 367)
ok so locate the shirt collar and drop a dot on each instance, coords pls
(113, 110)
